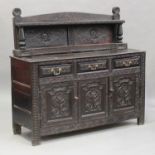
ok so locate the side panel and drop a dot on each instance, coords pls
(21, 92)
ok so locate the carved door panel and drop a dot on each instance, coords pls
(93, 99)
(58, 104)
(125, 94)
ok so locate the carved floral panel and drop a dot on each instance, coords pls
(93, 98)
(45, 37)
(92, 34)
(124, 91)
(58, 102)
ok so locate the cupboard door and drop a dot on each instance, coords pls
(93, 99)
(58, 104)
(125, 98)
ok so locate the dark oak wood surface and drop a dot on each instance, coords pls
(71, 71)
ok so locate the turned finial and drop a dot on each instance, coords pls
(17, 12)
(116, 13)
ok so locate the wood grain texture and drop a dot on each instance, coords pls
(86, 99)
(71, 71)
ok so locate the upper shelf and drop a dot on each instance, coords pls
(66, 18)
(66, 32)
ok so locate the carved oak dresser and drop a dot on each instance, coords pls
(71, 71)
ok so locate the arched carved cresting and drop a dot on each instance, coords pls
(118, 27)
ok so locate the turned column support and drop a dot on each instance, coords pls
(118, 27)
(119, 33)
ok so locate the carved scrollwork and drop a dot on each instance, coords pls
(127, 62)
(16, 12)
(93, 101)
(124, 89)
(58, 102)
(92, 35)
(92, 95)
(116, 13)
(45, 37)
(59, 107)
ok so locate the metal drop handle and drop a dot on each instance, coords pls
(93, 66)
(127, 63)
(76, 98)
(56, 71)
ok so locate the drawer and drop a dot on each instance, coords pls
(55, 70)
(92, 65)
(126, 62)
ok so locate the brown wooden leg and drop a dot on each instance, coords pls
(35, 138)
(16, 129)
(35, 107)
(140, 120)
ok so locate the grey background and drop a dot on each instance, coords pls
(139, 33)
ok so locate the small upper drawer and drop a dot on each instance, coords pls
(55, 70)
(126, 62)
(92, 65)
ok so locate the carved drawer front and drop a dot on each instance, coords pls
(125, 93)
(58, 104)
(126, 62)
(93, 99)
(92, 65)
(55, 70)
(94, 34)
(45, 36)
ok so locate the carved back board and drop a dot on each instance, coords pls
(66, 30)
